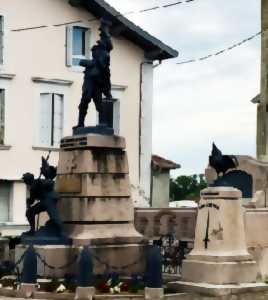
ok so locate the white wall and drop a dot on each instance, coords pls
(41, 53)
(160, 189)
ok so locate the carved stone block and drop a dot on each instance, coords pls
(96, 209)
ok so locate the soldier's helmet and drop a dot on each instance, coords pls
(28, 178)
(95, 51)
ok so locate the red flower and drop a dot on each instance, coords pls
(124, 287)
(103, 287)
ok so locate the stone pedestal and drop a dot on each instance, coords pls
(26, 290)
(4, 249)
(220, 257)
(154, 293)
(220, 253)
(85, 293)
(96, 206)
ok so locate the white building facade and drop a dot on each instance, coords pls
(41, 43)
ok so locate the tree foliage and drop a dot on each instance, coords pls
(187, 187)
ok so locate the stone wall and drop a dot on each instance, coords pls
(160, 189)
(154, 223)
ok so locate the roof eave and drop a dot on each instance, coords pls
(154, 49)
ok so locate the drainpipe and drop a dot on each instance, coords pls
(140, 110)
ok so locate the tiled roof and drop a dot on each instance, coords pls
(154, 48)
(162, 163)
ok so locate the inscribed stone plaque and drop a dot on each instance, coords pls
(69, 184)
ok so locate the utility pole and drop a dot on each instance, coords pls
(262, 110)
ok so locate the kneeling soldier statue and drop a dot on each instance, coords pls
(43, 198)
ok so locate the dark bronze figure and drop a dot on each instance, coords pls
(29, 270)
(153, 271)
(97, 79)
(85, 274)
(43, 198)
(222, 163)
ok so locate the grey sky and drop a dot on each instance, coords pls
(198, 103)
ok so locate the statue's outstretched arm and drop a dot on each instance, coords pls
(85, 63)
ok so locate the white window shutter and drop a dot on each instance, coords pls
(4, 201)
(116, 120)
(2, 116)
(118, 95)
(69, 46)
(58, 119)
(1, 40)
(45, 119)
(88, 44)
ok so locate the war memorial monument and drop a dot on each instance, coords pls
(90, 228)
(89, 203)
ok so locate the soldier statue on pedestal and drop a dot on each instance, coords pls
(97, 80)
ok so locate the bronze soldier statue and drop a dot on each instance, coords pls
(97, 79)
(43, 198)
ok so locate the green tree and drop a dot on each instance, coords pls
(187, 187)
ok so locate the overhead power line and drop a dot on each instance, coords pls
(138, 11)
(151, 8)
(146, 10)
(221, 51)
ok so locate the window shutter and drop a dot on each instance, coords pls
(58, 119)
(2, 116)
(88, 44)
(1, 40)
(45, 119)
(116, 117)
(4, 201)
(69, 45)
(118, 95)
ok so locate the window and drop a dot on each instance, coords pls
(78, 44)
(5, 189)
(51, 119)
(1, 40)
(2, 116)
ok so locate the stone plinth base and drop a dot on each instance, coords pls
(260, 254)
(93, 129)
(217, 290)
(61, 260)
(26, 290)
(95, 234)
(220, 254)
(219, 272)
(154, 294)
(85, 293)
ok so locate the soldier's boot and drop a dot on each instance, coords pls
(81, 118)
